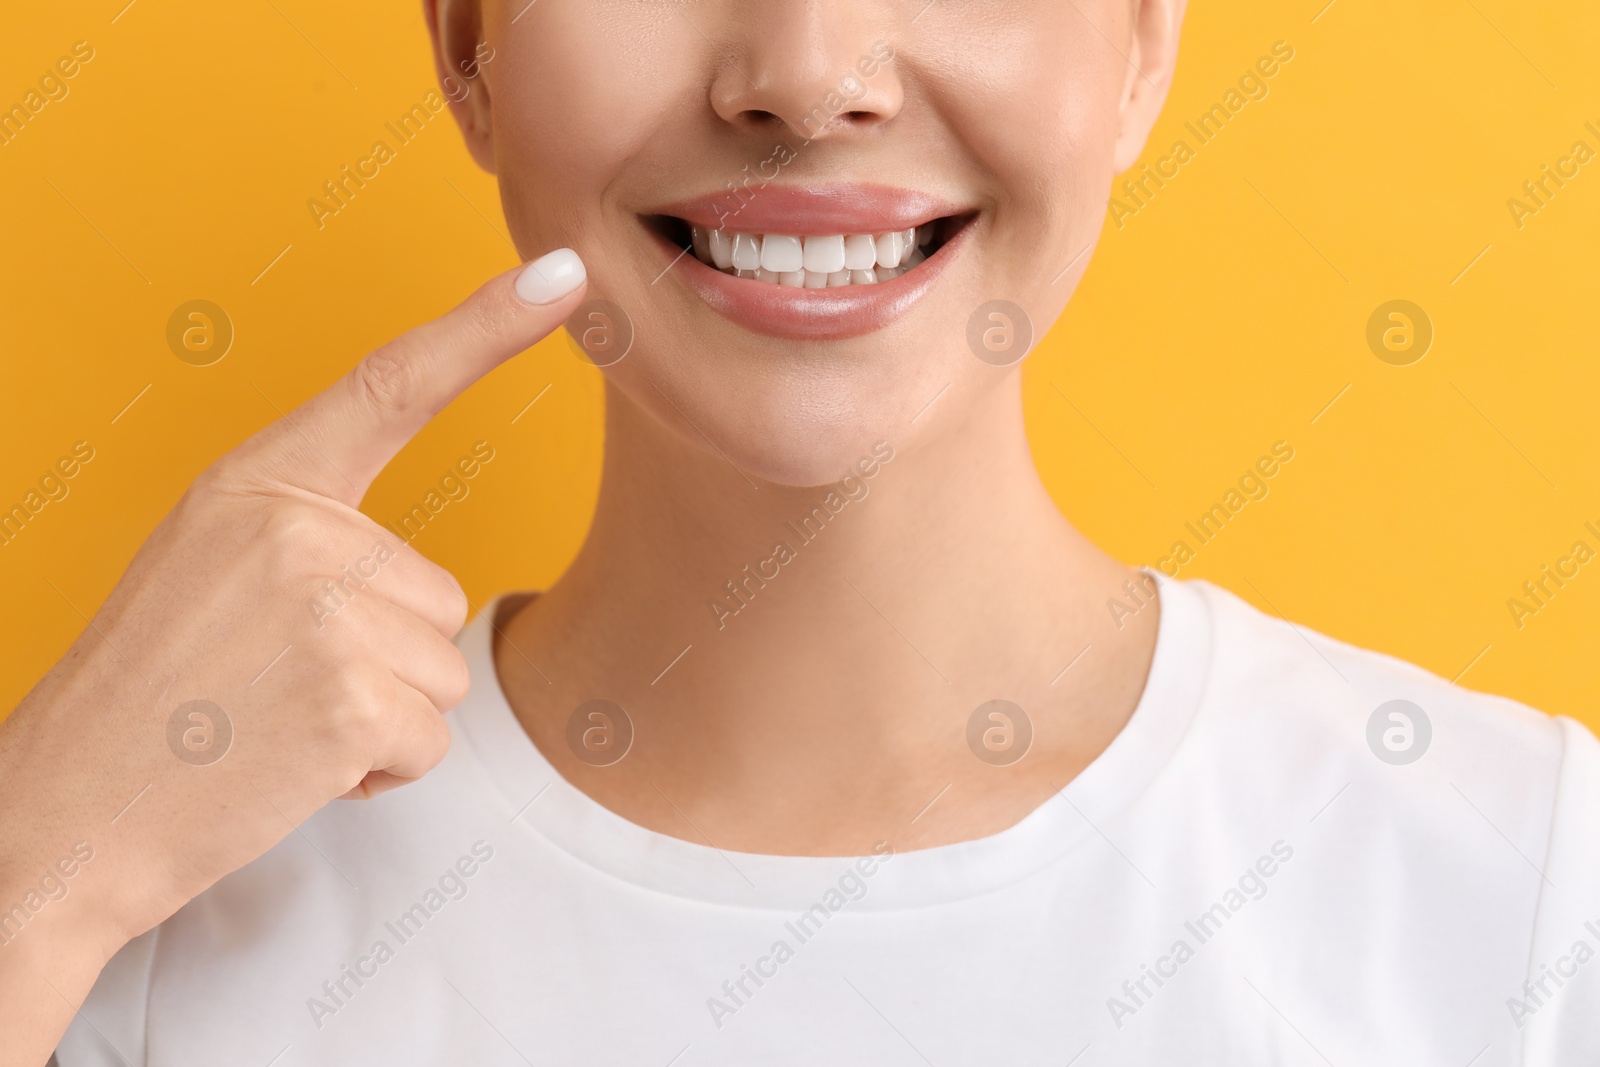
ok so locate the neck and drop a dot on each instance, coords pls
(831, 642)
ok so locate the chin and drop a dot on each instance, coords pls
(794, 385)
(799, 418)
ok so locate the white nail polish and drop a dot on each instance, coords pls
(550, 277)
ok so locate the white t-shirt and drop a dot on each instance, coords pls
(1238, 879)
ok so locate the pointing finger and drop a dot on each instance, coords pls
(341, 439)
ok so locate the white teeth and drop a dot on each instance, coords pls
(780, 252)
(815, 261)
(891, 248)
(824, 255)
(860, 252)
(721, 249)
(747, 251)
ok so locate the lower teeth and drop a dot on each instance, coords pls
(808, 279)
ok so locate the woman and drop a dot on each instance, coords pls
(837, 743)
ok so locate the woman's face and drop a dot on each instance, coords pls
(801, 131)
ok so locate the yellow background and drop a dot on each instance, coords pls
(1224, 316)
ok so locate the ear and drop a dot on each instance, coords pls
(1152, 57)
(460, 56)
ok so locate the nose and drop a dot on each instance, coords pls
(821, 68)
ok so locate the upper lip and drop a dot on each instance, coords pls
(820, 210)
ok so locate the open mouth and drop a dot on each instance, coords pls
(811, 261)
(824, 262)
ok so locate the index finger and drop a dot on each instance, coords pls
(337, 442)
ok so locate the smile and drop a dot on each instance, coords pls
(814, 262)
(818, 264)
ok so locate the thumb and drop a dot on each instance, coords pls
(337, 442)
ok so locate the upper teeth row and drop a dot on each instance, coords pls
(814, 262)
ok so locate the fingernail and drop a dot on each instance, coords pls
(551, 277)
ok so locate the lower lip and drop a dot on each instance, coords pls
(810, 314)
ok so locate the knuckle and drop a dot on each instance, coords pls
(198, 504)
(213, 478)
(385, 378)
(436, 745)
(456, 676)
(291, 523)
(452, 601)
(325, 612)
(227, 479)
(487, 319)
(354, 712)
(293, 535)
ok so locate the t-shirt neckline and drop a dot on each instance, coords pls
(543, 803)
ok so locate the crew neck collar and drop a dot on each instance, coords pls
(545, 804)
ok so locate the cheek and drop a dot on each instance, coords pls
(1035, 103)
(1034, 96)
(568, 118)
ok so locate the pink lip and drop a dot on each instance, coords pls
(773, 208)
(809, 314)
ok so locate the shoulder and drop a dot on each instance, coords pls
(1440, 833)
(1419, 780)
(1324, 698)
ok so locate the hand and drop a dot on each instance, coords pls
(218, 606)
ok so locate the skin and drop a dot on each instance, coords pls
(808, 724)
(831, 713)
